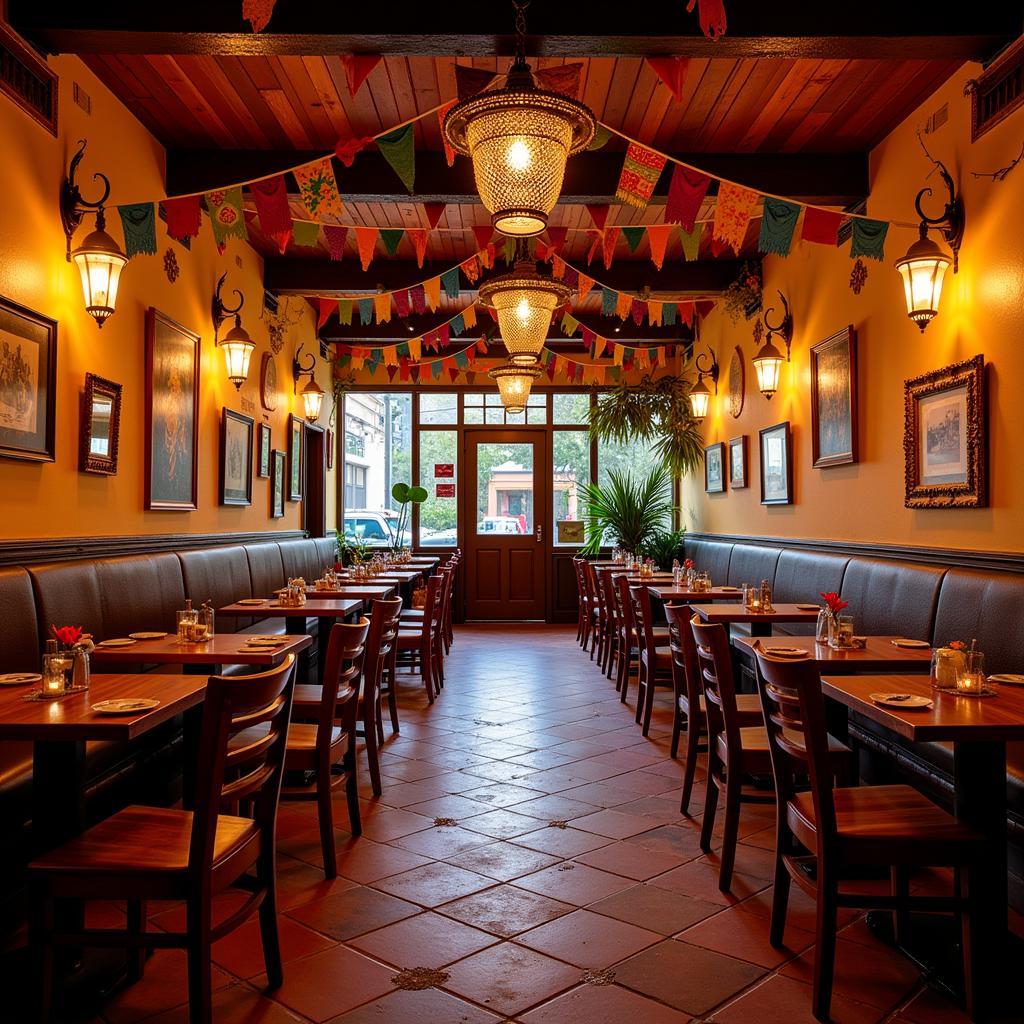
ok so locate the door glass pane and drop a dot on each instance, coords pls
(439, 514)
(570, 451)
(435, 408)
(504, 489)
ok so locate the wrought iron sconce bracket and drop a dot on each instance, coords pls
(784, 328)
(712, 370)
(220, 311)
(73, 207)
(952, 221)
(299, 370)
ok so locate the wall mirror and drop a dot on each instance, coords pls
(101, 419)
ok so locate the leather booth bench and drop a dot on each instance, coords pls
(112, 597)
(894, 596)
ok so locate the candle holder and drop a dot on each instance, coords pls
(970, 679)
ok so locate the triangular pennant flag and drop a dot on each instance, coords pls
(668, 314)
(609, 301)
(392, 370)
(558, 268)
(633, 236)
(442, 113)
(483, 233)
(868, 238)
(357, 67)
(399, 149)
(391, 356)
(471, 268)
(433, 212)
(345, 307)
(365, 311)
(469, 317)
(401, 298)
(306, 233)
(419, 299)
(598, 214)
(672, 72)
(617, 353)
(611, 236)
(569, 325)
(327, 307)
(778, 222)
(571, 277)
(183, 217)
(336, 236)
(712, 16)
(640, 172)
(732, 214)
(639, 311)
(686, 192)
(432, 292)
(563, 79)
(691, 241)
(686, 310)
(435, 369)
(658, 235)
(392, 238)
(366, 242)
(382, 307)
(257, 13)
(556, 239)
(346, 150)
(418, 237)
(450, 283)
(415, 348)
(821, 226)
(654, 312)
(470, 81)
(271, 198)
(139, 223)
(624, 305)
(444, 335)
(584, 285)
(600, 139)
(453, 373)
(458, 324)
(225, 209)
(595, 244)
(590, 340)
(319, 190)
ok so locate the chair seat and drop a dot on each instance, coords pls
(407, 640)
(754, 741)
(747, 704)
(309, 695)
(662, 660)
(145, 840)
(301, 735)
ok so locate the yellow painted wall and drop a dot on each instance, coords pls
(55, 499)
(982, 311)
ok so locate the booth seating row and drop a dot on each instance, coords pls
(112, 597)
(895, 597)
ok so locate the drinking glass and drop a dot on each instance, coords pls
(971, 678)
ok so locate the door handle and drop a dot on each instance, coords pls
(539, 533)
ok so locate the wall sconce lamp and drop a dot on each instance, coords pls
(236, 345)
(768, 361)
(925, 264)
(312, 393)
(99, 258)
(700, 396)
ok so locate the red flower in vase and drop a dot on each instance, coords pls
(337, 566)
(957, 645)
(689, 564)
(68, 635)
(835, 603)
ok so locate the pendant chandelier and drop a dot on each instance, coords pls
(519, 139)
(524, 302)
(514, 383)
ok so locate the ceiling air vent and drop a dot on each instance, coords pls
(27, 79)
(998, 90)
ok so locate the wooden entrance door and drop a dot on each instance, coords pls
(505, 512)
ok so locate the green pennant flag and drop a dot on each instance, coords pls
(668, 313)
(613, 373)
(399, 150)
(609, 301)
(305, 233)
(226, 217)
(868, 238)
(691, 241)
(458, 324)
(402, 349)
(450, 283)
(633, 237)
(435, 369)
(601, 137)
(343, 361)
(461, 359)
(569, 324)
(392, 238)
(365, 311)
(778, 222)
(139, 223)
(345, 312)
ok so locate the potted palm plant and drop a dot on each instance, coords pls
(631, 511)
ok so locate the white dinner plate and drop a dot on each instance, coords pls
(19, 678)
(147, 636)
(122, 641)
(808, 607)
(251, 600)
(280, 641)
(915, 644)
(731, 589)
(912, 701)
(1013, 678)
(784, 652)
(125, 706)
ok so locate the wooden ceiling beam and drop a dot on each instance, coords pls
(296, 276)
(831, 179)
(871, 29)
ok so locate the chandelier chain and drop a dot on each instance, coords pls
(520, 6)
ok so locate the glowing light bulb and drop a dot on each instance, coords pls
(519, 156)
(523, 311)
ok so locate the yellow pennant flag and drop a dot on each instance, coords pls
(654, 311)
(391, 355)
(432, 290)
(584, 285)
(624, 306)
(382, 307)
(415, 348)
(617, 352)
(557, 268)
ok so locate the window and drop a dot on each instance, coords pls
(355, 444)
(504, 488)
(355, 486)
(570, 461)
(571, 409)
(635, 458)
(487, 409)
(436, 408)
(439, 514)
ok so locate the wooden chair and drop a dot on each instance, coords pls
(613, 641)
(326, 736)
(144, 853)
(629, 651)
(422, 644)
(598, 619)
(380, 648)
(583, 619)
(847, 828)
(655, 661)
(414, 616)
(689, 697)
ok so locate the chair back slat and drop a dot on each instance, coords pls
(609, 604)
(343, 666)
(686, 677)
(640, 605)
(593, 590)
(713, 656)
(380, 643)
(432, 604)
(624, 609)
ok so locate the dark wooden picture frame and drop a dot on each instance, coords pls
(776, 483)
(98, 397)
(329, 447)
(236, 444)
(713, 453)
(741, 445)
(945, 442)
(172, 414)
(834, 423)
(295, 452)
(263, 453)
(28, 383)
(277, 483)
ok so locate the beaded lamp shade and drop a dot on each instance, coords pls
(514, 383)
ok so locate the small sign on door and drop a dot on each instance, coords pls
(444, 469)
(444, 490)
(570, 531)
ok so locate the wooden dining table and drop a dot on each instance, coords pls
(680, 592)
(209, 656)
(979, 729)
(370, 591)
(760, 622)
(879, 654)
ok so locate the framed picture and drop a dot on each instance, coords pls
(944, 437)
(263, 455)
(776, 465)
(834, 400)
(235, 458)
(714, 468)
(329, 442)
(172, 414)
(277, 481)
(738, 458)
(294, 458)
(28, 383)
(100, 427)
(737, 383)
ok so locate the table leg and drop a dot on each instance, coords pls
(295, 625)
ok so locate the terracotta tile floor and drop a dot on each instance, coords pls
(527, 732)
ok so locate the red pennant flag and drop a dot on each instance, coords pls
(442, 113)
(444, 335)
(686, 192)
(366, 242)
(658, 235)
(483, 235)
(336, 236)
(595, 245)
(271, 198)
(685, 312)
(347, 149)
(589, 337)
(672, 72)
(556, 239)
(821, 226)
(712, 16)
(563, 79)
(705, 307)
(257, 13)
(418, 295)
(639, 311)
(418, 237)
(357, 67)
(403, 365)
(470, 81)
(611, 236)
(598, 214)
(453, 372)
(327, 307)
(433, 212)
(392, 370)
(183, 217)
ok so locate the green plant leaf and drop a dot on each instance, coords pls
(632, 511)
(400, 492)
(418, 495)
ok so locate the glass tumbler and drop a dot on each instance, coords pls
(971, 678)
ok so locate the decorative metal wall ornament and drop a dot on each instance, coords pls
(858, 276)
(277, 323)
(171, 268)
(737, 383)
